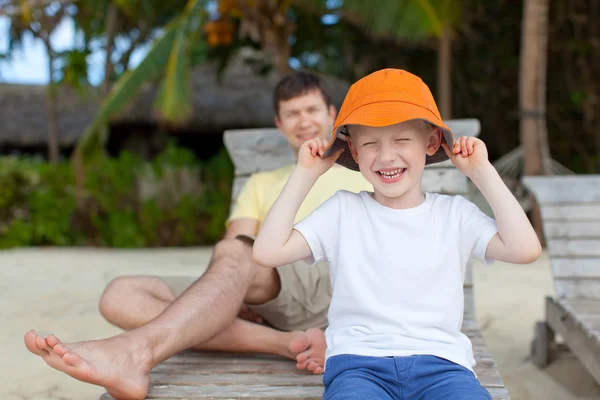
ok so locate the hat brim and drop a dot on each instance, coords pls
(384, 114)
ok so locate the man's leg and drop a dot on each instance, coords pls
(122, 363)
(132, 301)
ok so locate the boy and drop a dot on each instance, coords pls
(397, 256)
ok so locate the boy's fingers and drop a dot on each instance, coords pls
(463, 146)
(456, 146)
(471, 145)
(447, 150)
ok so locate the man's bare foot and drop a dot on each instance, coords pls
(118, 364)
(309, 348)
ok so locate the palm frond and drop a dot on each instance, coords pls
(174, 99)
(126, 88)
(402, 19)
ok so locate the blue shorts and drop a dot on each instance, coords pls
(421, 377)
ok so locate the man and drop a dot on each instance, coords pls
(161, 320)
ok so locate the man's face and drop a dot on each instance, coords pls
(305, 117)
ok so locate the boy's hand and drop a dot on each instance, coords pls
(468, 154)
(309, 156)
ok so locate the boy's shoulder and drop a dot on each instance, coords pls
(454, 205)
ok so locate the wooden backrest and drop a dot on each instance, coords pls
(570, 207)
(255, 150)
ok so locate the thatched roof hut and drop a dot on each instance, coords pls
(240, 99)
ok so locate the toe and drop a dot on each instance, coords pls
(60, 349)
(72, 359)
(42, 344)
(318, 371)
(30, 343)
(52, 340)
(302, 365)
(302, 357)
(312, 366)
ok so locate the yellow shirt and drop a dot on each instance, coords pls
(261, 191)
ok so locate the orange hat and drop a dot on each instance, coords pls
(384, 98)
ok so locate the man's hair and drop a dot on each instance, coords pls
(297, 84)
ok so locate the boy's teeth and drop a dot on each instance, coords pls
(391, 174)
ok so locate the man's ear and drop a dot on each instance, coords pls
(434, 142)
(332, 114)
(352, 149)
(277, 122)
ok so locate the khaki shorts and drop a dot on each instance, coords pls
(301, 304)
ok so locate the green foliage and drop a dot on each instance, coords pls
(38, 208)
(35, 204)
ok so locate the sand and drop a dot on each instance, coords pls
(57, 290)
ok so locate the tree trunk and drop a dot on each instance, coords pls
(51, 113)
(111, 28)
(532, 94)
(444, 73)
(275, 44)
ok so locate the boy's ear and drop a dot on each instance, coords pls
(434, 142)
(352, 149)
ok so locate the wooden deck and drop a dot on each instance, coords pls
(209, 376)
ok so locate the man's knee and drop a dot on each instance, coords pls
(113, 294)
(122, 290)
(263, 282)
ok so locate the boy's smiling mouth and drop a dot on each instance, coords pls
(390, 175)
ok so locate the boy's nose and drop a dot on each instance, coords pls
(387, 155)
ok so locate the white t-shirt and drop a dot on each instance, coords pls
(397, 274)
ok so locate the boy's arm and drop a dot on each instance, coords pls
(277, 242)
(516, 240)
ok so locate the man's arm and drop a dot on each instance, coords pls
(516, 240)
(242, 226)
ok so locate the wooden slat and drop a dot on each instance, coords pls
(444, 180)
(564, 189)
(499, 394)
(575, 268)
(574, 247)
(246, 367)
(238, 184)
(198, 379)
(581, 341)
(577, 288)
(469, 312)
(251, 392)
(578, 212)
(582, 306)
(254, 150)
(573, 230)
(464, 127)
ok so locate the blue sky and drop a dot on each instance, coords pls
(30, 64)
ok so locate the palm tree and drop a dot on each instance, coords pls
(41, 23)
(532, 95)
